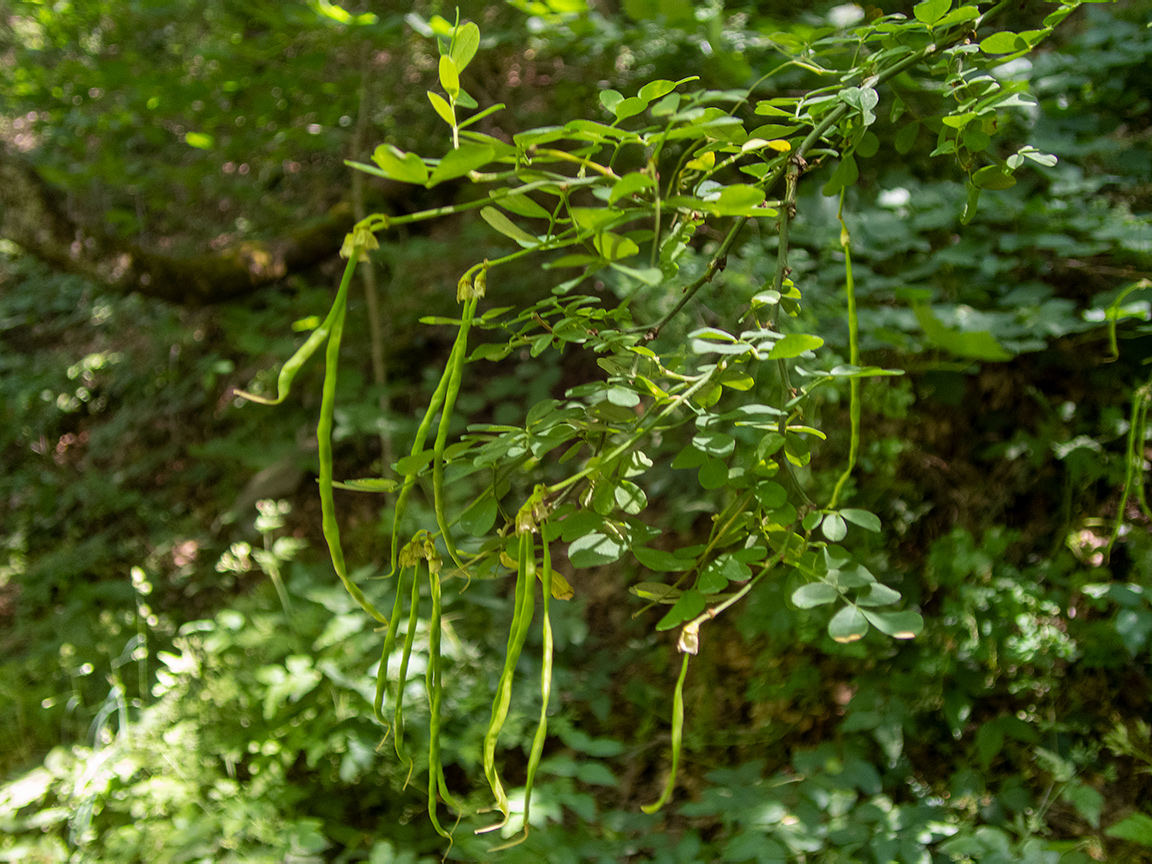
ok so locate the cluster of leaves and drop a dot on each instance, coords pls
(655, 187)
(992, 717)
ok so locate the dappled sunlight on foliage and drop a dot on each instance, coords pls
(799, 355)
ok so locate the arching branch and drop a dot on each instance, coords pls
(31, 216)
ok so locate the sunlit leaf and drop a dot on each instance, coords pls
(833, 527)
(848, 625)
(507, 227)
(878, 595)
(714, 443)
(594, 549)
(459, 162)
(931, 11)
(1003, 42)
(464, 45)
(793, 345)
(899, 625)
(814, 594)
(405, 167)
(442, 108)
(449, 76)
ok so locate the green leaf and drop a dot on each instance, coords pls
(864, 100)
(814, 594)
(594, 218)
(959, 121)
(490, 351)
(833, 527)
(878, 595)
(1137, 828)
(1086, 801)
(405, 167)
(594, 549)
(989, 742)
(622, 396)
(845, 175)
(964, 13)
(595, 774)
(867, 521)
(740, 200)
(714, 443)
(688, 457)
(848, 625)
(442, 108)
(970, 204)
(687, 606)
(981, 345)
(710, 340)
(1045, 159)
(713, 473)
(630, 498)
(657, 592)
(464, 45)
(931, 11)
(522, 205)
(1004, 42)
(414, 462)
(719, 572)
(899, 625)
(507, 227)
(653, 90)
(630, 184)
(466, 101)
(993, 177)
(610, 99)
(604, 498)
(630, 107)
(771, 495)
(736, 378)
(793, 345)
(580, 523)
(449, 77)
(459, 162)
(613, 246)
(906, 138)
(478, 519)
(976, 139)
(662, 561)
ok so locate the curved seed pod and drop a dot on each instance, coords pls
(521, 618)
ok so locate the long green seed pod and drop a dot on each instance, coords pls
(324, 436)
(434, 684)
(389, 644)
(545, 695)
(459, 356)
(677, 738)
(521, 618)
(315, 339)
(434, 405)
(402, 674)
